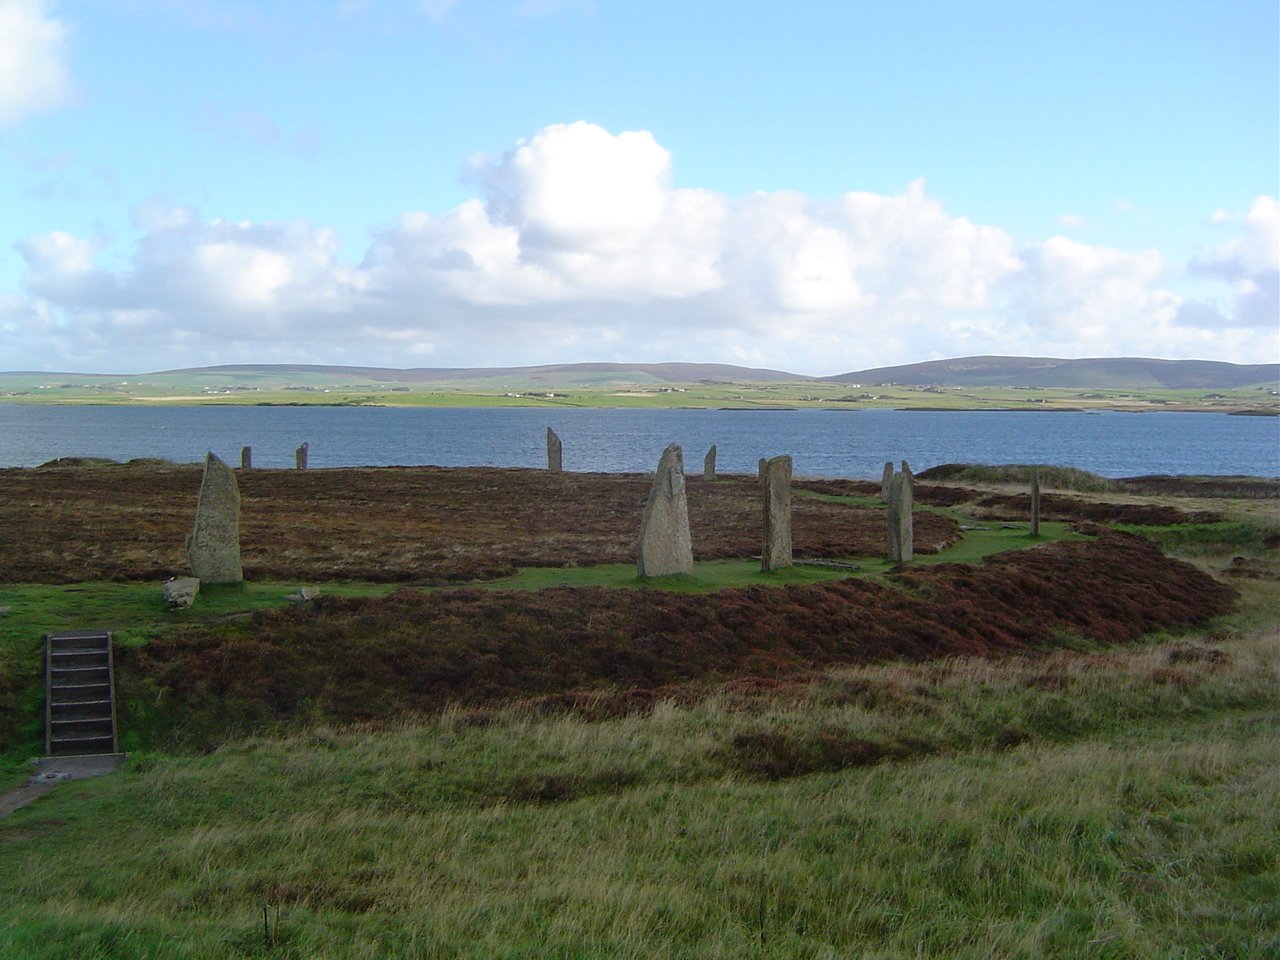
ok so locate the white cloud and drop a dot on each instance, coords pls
(1072, 221)
(1249, 265)
(33, 74)
(1089, 295)
(577, 247)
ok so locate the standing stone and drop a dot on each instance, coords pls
(760, 465)
(300, 457)
(709, 464)
(901, 527)
(776, 553)
(214, 545)
(555, 459)
(1035, 504)
(886, 478)
(665, 546)
(246, 458)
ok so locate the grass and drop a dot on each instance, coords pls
(1130, 813)
(722, 574)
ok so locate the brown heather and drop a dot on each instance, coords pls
(391, 524)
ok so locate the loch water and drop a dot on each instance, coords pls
(837, 443)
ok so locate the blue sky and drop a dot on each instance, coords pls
(817, 187)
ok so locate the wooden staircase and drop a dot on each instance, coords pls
(79, 687)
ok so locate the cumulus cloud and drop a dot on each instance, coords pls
(33, 74)
(1249, 265)
(217, 284)
(1075, 292)
(578, 247)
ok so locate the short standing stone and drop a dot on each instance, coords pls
(214, 545)
(709, 464)
(300, 457)
(886, 478)
(246, 458)
(665, 546)
(760, 465)
(181, 591)
(555, 452)
(776, 553)
(1035, 504)
(901, 526)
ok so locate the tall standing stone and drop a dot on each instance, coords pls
(214, 545)
(246, 458)
(886, 478)
(300, 457)
(1035, 504)
(901, 526)
(665, 546)
(555, 452)
(709, 464)
(776, 482)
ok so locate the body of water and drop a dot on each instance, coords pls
(823, 443)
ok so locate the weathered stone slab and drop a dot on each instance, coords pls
(709, 464)
(760, 465)
(555, 452)
(304, 595)
(776, 482)
(1035, 504)
(214, 545)
(901, 523)
(665, 546)
(246, 458)
(886, 478)
(300, 457)
(181, 591)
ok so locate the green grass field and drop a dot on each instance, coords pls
(587, 390)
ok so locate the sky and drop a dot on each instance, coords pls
(817, 187)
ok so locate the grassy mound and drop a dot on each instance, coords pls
(1057, 478)
(381, 658)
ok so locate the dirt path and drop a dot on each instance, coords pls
(19, 797)
(51, 771)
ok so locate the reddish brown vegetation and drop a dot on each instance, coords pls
(412, 652)
(1242, 488)
(391, 524)
(1056, 506)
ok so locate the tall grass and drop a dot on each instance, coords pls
(1118, 804)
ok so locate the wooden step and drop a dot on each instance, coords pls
(80, 716)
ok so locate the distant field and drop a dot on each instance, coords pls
(599, 390)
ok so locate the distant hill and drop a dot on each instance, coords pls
(558, 372)
(1132, 373)
(1101, 373)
